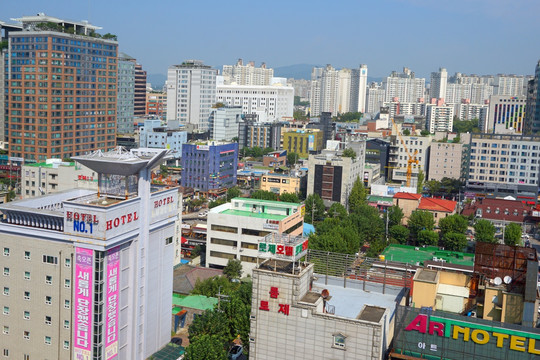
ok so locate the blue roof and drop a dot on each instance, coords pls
(308, 229)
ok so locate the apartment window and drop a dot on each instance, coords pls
(228, 229)
(6, 352)
(27, 255)
(48, 320)
(66, 345)
(6, 310)
(66, 324)
(27, 337)
(27, 295)
(5, 330)
(67, 262)
(27, 357)
(6, 291)
(67, 283)
(48, 300)
(6, 251)
(339, 341)
(67, 304)
(223, 242)
(26, 315)
(251, 246)
(168, 240)
(48, 279)
(50, 259)
(47, 340)
(222, 255)
(6, 271)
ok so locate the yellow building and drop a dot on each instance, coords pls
(302, 142)
(441, 290)
(279, 184)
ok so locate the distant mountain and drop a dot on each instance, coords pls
(157, 80)
(303, 71)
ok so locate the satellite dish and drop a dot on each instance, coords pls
(507, 279)
(495, 299)
(497, 281)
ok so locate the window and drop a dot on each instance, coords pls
(223, 242)
(66, 304)
(50, 259)
(27, 255)
(6, 310)
(27, 337)
(5, 330)
(26, 315)
(27, 295)
(228, 229)
(66, 324)
(27, 357)
(168, 240)
(6, 271)
(48, 300)
(246, 245)
(67, 283)
(6, 352)
(66, 345)
(339, 341)
(27, 275)
(6, 251)
(47, 340)
(67, 262)
(6, 291)
(48, 279)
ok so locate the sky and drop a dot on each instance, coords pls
(467, 36)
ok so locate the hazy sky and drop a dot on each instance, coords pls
(469, 36)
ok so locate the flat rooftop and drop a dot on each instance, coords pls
(254, 215)
(410, 254)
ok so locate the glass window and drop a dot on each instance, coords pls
(6, 251)
(6, 271)
(48, 279)
(66, 345)
(47, 340)
(48, 300)
(27, 275)
(27, 255)
(27, 295)
(26, 315)
(339, 341)
(48, 320)
(6, 310)
(5, 330)
(26, 335)
(6, 291)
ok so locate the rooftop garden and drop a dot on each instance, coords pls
(51, 26)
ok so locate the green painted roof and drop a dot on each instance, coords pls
(380, 198)
(409, 254)
(169, 352)
(269, 202)
(255, 215)
(45, 165)
(199, 302)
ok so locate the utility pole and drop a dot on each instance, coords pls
(387, 210)
(312, 209)
(219, 296)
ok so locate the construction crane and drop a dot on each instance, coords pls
(412, 158)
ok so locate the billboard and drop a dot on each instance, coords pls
(111, 303)
(311, 142)
(82, 317)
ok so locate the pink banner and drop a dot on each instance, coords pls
(111, 303)
(84, 269)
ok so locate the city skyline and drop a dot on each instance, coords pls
(465, 36)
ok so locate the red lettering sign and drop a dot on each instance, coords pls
(89, 218)
(284, 308)
(289, 250)
(418, 324)
(161, 202)
(121, 220)
(305, 245)
(274, 292)
(280, 249)
(264, 306)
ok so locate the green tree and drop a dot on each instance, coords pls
(424, 132)
(349, 117)
(420, 182)
(300, 115)
(454, 223)
(233, 270)
(342, 239)
(420, 220)
(369, 225)
(264, 195)
(454, 241)
(257, 152)
(210, 323)
(337, 210)
(217, 202)
(399, 233)
(348, 152)
(314, 209)
(357, 196)
(406, 132)
(232, 193)
(267, 150)
(292, 158)
(210, 287)
(466, 126)
(289, 197)
(164, 170)
(427, 237)
(512, 234)
(484, 231)
(433, 187)
(395, 215)
(375, 248)
(206, 347)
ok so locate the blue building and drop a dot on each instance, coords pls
(210, 166)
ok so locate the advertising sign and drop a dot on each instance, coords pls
(111, 303)
(281, 246)
(311, 142)
(203, 147)
(82, 318)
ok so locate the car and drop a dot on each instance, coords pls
(236, 352)
(203, 214)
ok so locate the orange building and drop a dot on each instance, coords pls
(156, 103)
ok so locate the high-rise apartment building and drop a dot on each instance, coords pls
(63, 89)
(358, 89)
(315, 92)
(374, 98)
(439, 118)
(400, 150)
(140, 91)
(506, 115)
(405, 87)
(126, 94)
(438, 81)
(88, 274)
(511, 85)
(263, 135)
(224, 123)
(344, 90)
(156, 103)
(191, 92)
(329, 90)
(532, 122)
(248, 74)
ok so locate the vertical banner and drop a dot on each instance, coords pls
(111, 303)
(84, 269)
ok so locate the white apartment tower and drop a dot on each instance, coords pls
(439, 118)
(344, 93)
(330, 90)
(247, 74)
(315, 93)
(405, 87)
(191, 92)
(374, 98)
(438, 83)
(362, 88)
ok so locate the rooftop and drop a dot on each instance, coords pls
(407, 196)
(413, 255)
(199, 302)
(254, 215)
(434, 204)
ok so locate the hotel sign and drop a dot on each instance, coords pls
(84, 303)
(286, 251)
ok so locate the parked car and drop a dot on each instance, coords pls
(236, 352)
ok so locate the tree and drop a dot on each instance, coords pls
(349, 117)
(466, 126)
(314, 209)
(215, 203)
(300, 115)
(420, 220)
(235, 139)
(206, 347)
(395, 215)
(348, 152)
(454, 223)
(433, 187)
(427, 237)
(406, 132)
(454, 241)
(264, 195)
(342, 239)
(375, 248)
(289, 197)
(484, 231)
(399, 233)
(337, 210)
(368, 223)
(512, 234)
(233, 270)
(232, 193)
(292, 158)
(164, 170)
(420, 182)
(424, 132)
(267, 150)
(357, 196)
